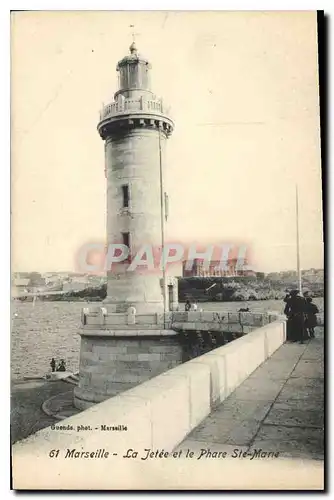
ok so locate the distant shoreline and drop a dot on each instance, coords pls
(88, 299)
(200, 289)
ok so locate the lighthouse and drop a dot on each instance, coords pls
(135, 128)
(130, 338)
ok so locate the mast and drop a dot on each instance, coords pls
(299, 275)
(162, 227)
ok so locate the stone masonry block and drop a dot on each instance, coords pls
(247, 329)
(89, 366)
(190, 326)
(85, 379)
(135, 349)
(90, 357)
(234, 327)
(165, 349)
(205, 316)
(86, 345)
(110, 357)
(170, 356)
(180, 317)
(126, 357)
(98, 382)
(193, 316)
(223, 318)
(258, 320)
(101, 315)
(273, 317)
(92, 320)
(216, 365)
(146, 319)
(265, 319)
(275, 336)
(198, 377)
(156, 365)
(113, 349)
(159, 341)
(160, 319)
(100, 368)
(148, 357)
(168, 398)
(117, 387)
(233, 318)
(125, 342)
(246, 318)
(116, 319)
(134, 413)
(131, 316)
(218, 318)
(130, 365)
(235, 368)
(253, 348)
(130, 377)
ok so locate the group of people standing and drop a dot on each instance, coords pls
(60, 368)
(300, 311)
(301, 314)
(190, 306)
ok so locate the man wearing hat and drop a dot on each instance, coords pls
(295, 311)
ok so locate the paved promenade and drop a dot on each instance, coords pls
(279, 408)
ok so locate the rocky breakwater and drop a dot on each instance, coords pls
(240, 288)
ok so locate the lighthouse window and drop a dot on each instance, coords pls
(126, 242)
(125, 191)
(126, 239)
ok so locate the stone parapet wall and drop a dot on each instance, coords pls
(193, 320)
(220, 322)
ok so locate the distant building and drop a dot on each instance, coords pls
(231, 268)
(80, 278)
(63, 275)
(75, 286)
(52, 280)
(96, 281)
(22, 282)
(20, 285)
(21, 275)
(36, 280)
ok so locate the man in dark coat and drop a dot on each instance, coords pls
(53, 364)
(311, 316)
(295, 311)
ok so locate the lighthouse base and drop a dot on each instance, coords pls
(119, 351)
(115, 305)
(112, 362)
(141, 307)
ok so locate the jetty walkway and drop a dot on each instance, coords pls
(279, 408)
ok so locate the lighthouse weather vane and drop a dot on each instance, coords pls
(133, 33)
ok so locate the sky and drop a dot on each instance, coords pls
(243, 91)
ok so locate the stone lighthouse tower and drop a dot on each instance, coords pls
(130, 339)
(135, 128)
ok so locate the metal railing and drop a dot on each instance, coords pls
(132, 105)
